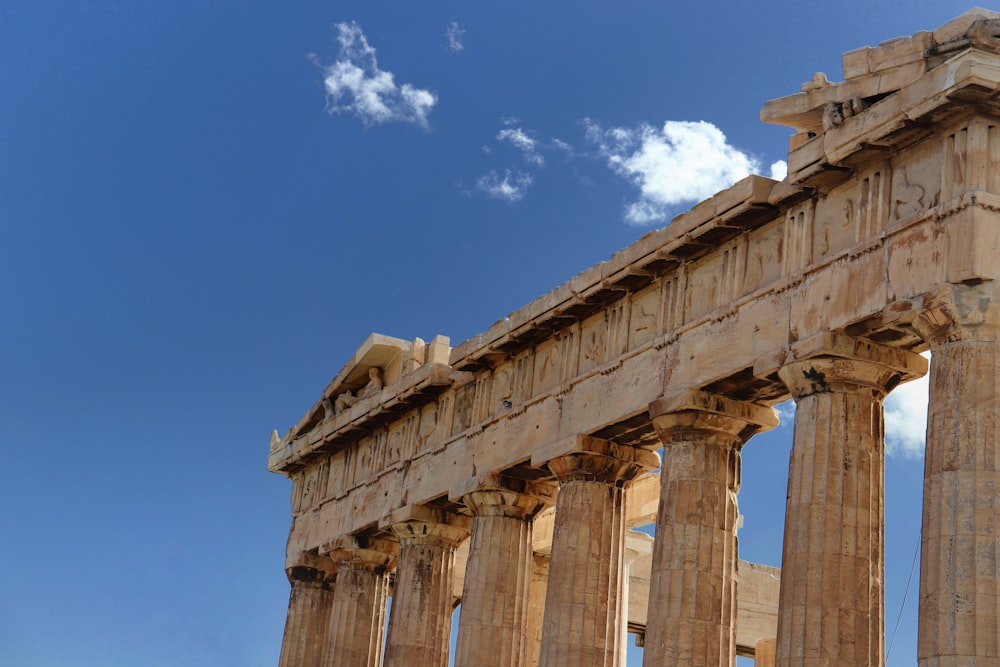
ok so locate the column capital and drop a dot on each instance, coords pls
(493, 494)
(676, 416)
(310, 569)
(370, 554)
(417, 524)
(950, 313)
(597, 460)
(833, 362)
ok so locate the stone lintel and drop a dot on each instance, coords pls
(584, 444)
(692, 409)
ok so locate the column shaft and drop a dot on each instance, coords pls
(420, 619)
(309, 603)
(831, 609)
(357, 617)
(536, 609)
(583, 603)
(763, 655)
(692, 589)
(492, 625)
(960, 552)
(831, 568)
(691, 619)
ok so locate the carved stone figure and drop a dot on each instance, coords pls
(374, 386)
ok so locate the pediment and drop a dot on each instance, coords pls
(386, 353)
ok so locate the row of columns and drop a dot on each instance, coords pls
(831, 609)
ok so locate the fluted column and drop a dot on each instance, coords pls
(636, 545)
(492, 625)
(763, 655)
(959, 559)
(536, 609)
(831, 609)
(309, 603)
(420, 620)
(583, 603)
(691, 619)
(357, 617)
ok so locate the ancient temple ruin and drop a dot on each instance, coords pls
(506, 472)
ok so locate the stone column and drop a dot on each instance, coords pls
(763, 654)
(583, 602)
(831, 606)
(492, 625)
(357, 617)
(420, 620)
(691, 618)
(960, 550)
(309, 603)
(536, 609)
(636, 544)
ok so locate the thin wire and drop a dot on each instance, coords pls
(913, 566)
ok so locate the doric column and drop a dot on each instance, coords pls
(763, 654)
(691, 619)
(636, 545)
(357, 617)
(959, 559)
(304, 641)
(492, 624)
(420, 620)
(831, 606)
(536, 609)
(583, 603)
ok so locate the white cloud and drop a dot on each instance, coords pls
(454, 34)
(779, 170)
(906, 419)
(512, 187)
(786, 413)
(681, 162)
(355, 84)
(523, 142)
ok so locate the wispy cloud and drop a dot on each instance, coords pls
(906, 419)
(511, 188)
(681, 162)
(520, 139)
(354, 84)
(454, 35)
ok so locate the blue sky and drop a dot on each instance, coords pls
(201, 218)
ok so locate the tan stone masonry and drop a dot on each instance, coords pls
(537, 437)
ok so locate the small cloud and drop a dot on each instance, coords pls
(681, 162)
(779, 170)
(523, 142)
(511, 188)
(454, 34)
(508, 121)
(354, 84)
(562, 145)
(786, 413)
(906, 419)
